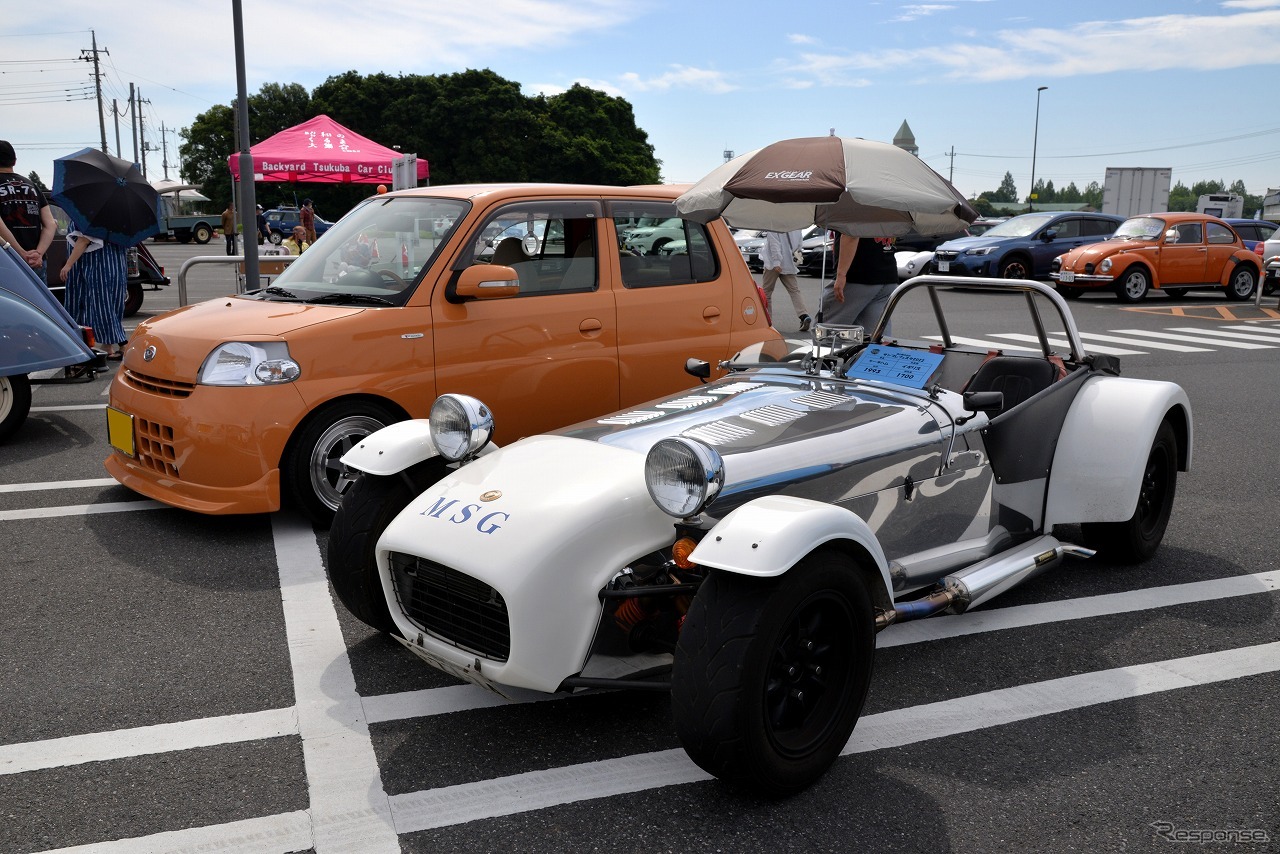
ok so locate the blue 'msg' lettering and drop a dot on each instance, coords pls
(464, 514)
(439, 507)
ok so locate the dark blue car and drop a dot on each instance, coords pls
(36, 334)
(1022, 247)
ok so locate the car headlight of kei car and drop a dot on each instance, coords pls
(460, 426)
(980, 250)
(683, 476)
(249, 363)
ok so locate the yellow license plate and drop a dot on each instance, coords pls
(120, 431)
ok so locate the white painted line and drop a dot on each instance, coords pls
(349, 807)
(1167, 336)
(1023, 616)
(271, 833)
(57, 484)
(1061, 342)
(140, 741)
(520, 793)
(978, 342)
(443, 701)
(1036, 699)
(97, 406)
(1220, 333)
(81, 510)
(1116, 339)
(1273, 331)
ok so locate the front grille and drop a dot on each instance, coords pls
(153, 444)
(156, 385)
(946, 256)
(452, 606)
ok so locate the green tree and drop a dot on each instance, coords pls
(1180, 198)
(1006, 192)
(35, 179)
(1070, 194)
(1092, 195)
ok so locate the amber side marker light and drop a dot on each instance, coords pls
(681, 550)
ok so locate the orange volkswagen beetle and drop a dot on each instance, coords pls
(1172, 252)
(520, 295)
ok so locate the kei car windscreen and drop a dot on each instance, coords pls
(375, 253)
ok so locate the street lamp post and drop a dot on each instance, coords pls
(1035, 139)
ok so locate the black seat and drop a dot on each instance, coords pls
(1017, 377)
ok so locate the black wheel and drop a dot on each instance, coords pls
(312, 471)
(770, 675)
(1268, 286)
(1016, 267)
(15, 403)
(1069, 292)
(202, 233)
(132, 298)
(1243, 281)
(367, 508)
(1137, 539)
(656, 248)
(1175, 293)
(1133, 285)
(184, 236)
(276, 237)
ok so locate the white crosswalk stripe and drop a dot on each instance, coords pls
(1222, 333)
(1116, 339)
(1169, 336)
(1174, 339)
(1062, 343)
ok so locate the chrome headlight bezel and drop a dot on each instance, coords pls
(461, 426)
(248, 363)
(683, 476)
(1105, 266)
(980, 250)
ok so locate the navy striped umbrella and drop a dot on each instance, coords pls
(106, 197)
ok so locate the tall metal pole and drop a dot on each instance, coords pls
(248, 198)
(133, 121)
(115, 114)
(1035, 140)
(97, 85)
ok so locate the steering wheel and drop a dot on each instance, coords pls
(395, 279)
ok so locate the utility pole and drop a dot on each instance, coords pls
(142, 133)
(176, 151)
(133, 119)
(115, 115)
(951, 175)
(97, 85)
(164, 144)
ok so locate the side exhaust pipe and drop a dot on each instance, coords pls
(975, 584)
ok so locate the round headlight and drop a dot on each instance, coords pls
(460, 425)
(1106, 265)
(683, 476)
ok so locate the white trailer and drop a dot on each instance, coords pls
(1130, 191)
(1221, 205)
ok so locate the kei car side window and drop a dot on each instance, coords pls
(551, 245)
(658, 248)
(1219, 233)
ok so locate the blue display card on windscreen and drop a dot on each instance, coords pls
(910, 368)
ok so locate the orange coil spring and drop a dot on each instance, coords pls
(630, 614)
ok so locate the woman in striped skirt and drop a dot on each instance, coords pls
(97, 276)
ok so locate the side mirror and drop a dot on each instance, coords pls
(698, 368)
(983, 401)
(488, 281)
(1171, 236)
(1049, 235)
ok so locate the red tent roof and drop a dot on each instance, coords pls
(321, 150)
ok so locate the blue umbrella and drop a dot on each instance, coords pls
(106, 197)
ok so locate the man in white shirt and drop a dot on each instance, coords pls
(778, 257)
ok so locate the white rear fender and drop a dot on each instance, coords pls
(396, 447)
(1103, 448)
(766, 537)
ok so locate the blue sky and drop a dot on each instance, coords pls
(1177, 83)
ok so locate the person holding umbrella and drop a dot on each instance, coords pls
(111, 207)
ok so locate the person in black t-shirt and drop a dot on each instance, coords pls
(24, 211)
(866, 274)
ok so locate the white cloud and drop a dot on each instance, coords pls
(679, 77)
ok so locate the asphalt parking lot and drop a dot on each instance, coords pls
(177, 682)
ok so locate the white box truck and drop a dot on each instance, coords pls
(1130, 191)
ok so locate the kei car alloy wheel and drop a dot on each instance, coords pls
(770, 675)
(313, 471)
(1243, 281)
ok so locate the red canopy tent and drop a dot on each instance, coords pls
(321, 150)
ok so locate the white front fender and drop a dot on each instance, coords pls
(766, 537)
(396, 447)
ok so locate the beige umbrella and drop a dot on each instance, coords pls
(859, 187)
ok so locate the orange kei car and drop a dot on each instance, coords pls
(1172, 252)
(520, 295)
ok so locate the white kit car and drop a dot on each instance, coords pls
(740, 545)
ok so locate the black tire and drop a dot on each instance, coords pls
(132, 298)
(202, 233)
(15, 403)
(311, 473)
(1268, 286)
(656, 248)
(1243, 281)
(1137, 538)
(1175, 293)
(1133, 285)
(184, 236)
(276, 238)
(770, 675)
(367, 508)
(1069, 292)
(1016, 267)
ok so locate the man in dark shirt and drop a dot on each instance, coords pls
(28, 222)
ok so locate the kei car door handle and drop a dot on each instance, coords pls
(711, 312)
(590, 325)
